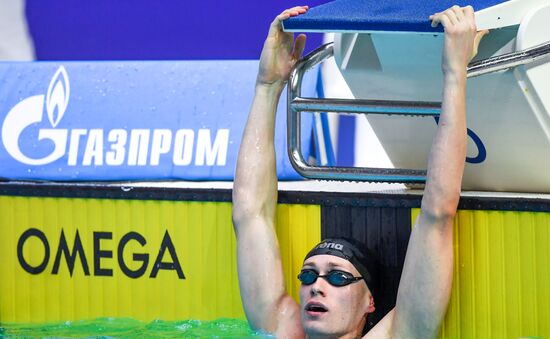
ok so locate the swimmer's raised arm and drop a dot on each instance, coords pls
(266, 303)
(426, 280)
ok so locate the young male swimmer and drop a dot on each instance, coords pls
(335, 297)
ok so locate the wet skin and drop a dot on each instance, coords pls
(332, 310)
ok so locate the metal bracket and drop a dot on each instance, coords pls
(296, 104)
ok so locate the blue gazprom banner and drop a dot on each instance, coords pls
(131, 120)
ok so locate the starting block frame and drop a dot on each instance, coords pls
(297, 104)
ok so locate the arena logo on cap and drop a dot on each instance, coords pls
(115, 147)
(331, 245)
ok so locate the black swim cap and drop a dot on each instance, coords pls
(356, 253)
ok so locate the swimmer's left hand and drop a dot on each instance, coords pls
(280, 52)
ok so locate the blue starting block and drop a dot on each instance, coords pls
(353, 16)
(390, 58)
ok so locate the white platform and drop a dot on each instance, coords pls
(508, 111)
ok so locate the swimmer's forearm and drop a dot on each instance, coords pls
(255, 186)
(446, 162)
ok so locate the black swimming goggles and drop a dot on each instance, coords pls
(335, 277)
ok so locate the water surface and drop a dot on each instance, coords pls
(131, 328)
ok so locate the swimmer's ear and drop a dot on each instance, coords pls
(477, 39)
(299, 46)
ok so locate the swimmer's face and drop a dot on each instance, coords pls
(332, 310)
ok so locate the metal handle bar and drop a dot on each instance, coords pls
(297, 104)
(509, 60)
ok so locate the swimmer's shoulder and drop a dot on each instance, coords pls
(288, 320)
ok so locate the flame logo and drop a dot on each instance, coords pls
(58, 96)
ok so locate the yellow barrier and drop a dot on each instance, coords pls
(70, 259)
(501, 286)
(298, 230)
(89, 258)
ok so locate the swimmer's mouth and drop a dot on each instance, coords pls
(315, 307)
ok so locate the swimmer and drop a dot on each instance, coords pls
(336, 280)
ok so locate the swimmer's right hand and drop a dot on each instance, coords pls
(461, 37)
(280, 52)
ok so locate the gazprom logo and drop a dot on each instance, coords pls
(115, 147)
(30, 111)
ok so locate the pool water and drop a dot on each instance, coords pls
(131, 328)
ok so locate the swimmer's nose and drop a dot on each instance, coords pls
(316, 290)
